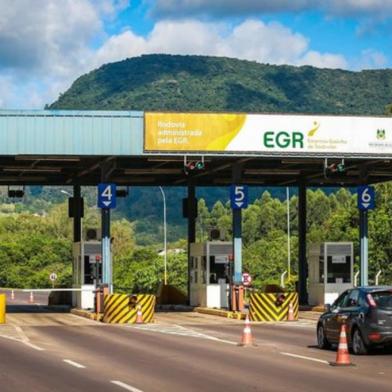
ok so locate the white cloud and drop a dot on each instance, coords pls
(251, 40)
(181, 8)
(370, 59)
(45, 44)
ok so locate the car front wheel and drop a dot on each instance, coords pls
(322, 341)
(359, 346)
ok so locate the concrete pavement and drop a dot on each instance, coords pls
(179, 352)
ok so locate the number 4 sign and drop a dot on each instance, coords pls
(366, 198)
(106, 196)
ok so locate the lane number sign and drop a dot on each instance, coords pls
(366, 198)
(238, 196)
(106, 196)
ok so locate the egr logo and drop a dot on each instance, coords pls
(284, 139)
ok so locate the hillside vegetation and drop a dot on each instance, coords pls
(192, 83)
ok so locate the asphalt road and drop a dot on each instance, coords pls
(181, 352)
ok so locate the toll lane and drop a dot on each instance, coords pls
(25, 369)
(161, 361)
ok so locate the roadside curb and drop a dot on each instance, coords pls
(86, 314)
(221, 313)
(319, 308)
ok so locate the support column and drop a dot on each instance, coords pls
(76, 211)
(106, 253)
(191, 212)
(237, 232)
(105, 227)
(77, 220)
(364, 243)
(237, 289)
(302, 261)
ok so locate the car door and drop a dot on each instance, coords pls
(332, 324)
(350, 309)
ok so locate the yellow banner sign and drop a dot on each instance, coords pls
(191, 131)
(268, 134)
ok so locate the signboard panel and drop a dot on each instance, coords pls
(107, 196)
(301, 135)
(366, 198)
(239, 197)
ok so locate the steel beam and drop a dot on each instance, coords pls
(302, 260)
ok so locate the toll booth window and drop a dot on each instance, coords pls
(88, 272)
(217, 270)
(321, 269)
(339, 269)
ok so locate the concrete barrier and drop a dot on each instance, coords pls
(272, 306)
(122, 308)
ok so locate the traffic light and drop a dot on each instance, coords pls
(335, 169)
(192, 166)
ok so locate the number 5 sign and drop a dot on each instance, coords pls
(366, 198)
(238, 196)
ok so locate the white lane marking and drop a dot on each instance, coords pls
(179, 330)
(75, 364)
(22, 338)
(304, 357)
(33, 346)
(125, 386)
(26, 340)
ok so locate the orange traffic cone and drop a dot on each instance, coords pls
(12, 294)
(342, 356)
(139, 315)
(290, 314)
(31, 298)
(246, 339)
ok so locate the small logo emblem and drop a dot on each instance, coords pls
(380, 134)
(314, 129)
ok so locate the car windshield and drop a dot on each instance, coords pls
(383, 299)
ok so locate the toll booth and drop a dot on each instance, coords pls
(330, 271)
(87, 269)
(210, 273)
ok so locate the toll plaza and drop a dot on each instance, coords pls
(110, 149)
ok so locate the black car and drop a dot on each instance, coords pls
(368, 314)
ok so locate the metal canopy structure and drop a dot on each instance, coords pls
(169, 171)
(71, 147)
(135, 148)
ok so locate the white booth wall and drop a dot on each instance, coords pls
(331, 271)
(210, 271)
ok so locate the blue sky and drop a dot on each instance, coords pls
(46, 44)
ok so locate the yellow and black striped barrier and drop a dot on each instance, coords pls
(122, 308)
(272, 306)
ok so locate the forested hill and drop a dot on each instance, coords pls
(191, 83)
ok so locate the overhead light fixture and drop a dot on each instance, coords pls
(32, 170)
(46, 158)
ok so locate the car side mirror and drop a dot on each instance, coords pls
(327, 307)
